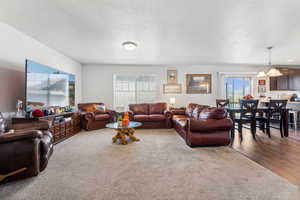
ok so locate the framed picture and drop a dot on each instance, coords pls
(172, 88)
(198, 83)
(172, 77)
(261, 82)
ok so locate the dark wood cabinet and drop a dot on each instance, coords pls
(290, 80)
(294, 80)
(60, 130)
(65, 129)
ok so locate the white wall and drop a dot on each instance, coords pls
(98, 81)
(15, 47)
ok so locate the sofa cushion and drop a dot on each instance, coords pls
(210, 125)
(157, 108)
(212, 113)
(141, 118)
(139, 109)
(102, 117)
(157, 117)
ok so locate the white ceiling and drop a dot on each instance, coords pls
(166, 31)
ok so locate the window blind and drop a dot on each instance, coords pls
(129, 89)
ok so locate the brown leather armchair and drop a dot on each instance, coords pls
(25, 152)
(95, 120)
(153, 115)
(203, 126)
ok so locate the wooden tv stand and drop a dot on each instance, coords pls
(60, 130)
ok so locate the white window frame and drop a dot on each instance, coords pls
(137, 74)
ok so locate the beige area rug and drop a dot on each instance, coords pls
(161, 167)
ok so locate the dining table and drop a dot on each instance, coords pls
(285, 116)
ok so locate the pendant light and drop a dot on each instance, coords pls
(261, 74)
(273, 72)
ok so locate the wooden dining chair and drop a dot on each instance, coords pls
(222, 103)
(275, 113)
(247, 116)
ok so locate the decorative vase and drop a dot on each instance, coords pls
(125, 121)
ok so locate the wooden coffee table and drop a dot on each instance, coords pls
(123, 131)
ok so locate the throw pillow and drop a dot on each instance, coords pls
(212, 113)
(90, 108)
(100, 109)
(195, 113)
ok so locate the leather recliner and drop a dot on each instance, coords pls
(95, 120)
(25, 150)
(153, 115)
(203, 126)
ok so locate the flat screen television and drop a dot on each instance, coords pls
(47, 87)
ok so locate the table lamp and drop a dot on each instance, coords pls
(172, 101)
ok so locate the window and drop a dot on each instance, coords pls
(130, 89)
(236, 88)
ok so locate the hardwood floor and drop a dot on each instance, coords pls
(282, 156)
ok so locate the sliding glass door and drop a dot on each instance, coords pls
(236, 88)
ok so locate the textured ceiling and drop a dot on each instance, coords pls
(166, 31)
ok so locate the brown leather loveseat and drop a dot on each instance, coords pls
(93, 119)
(153, 115)
(203, 126)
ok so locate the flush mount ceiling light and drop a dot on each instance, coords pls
(273, 72)
(129, 46)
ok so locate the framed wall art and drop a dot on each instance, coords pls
(198, 83)
(172, 88)
(262, 82)
(172, 77)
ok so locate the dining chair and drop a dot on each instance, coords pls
(275, 113)
(247, 116)
(222, 103)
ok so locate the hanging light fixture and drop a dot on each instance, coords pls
(261, 74)
(273, 71)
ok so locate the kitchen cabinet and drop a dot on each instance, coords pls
(290, 80)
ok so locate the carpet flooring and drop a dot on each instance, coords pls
(160, 167)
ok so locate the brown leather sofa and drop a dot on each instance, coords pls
(94, 120)
(153, 115)
(25, 149)
(203, 126)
